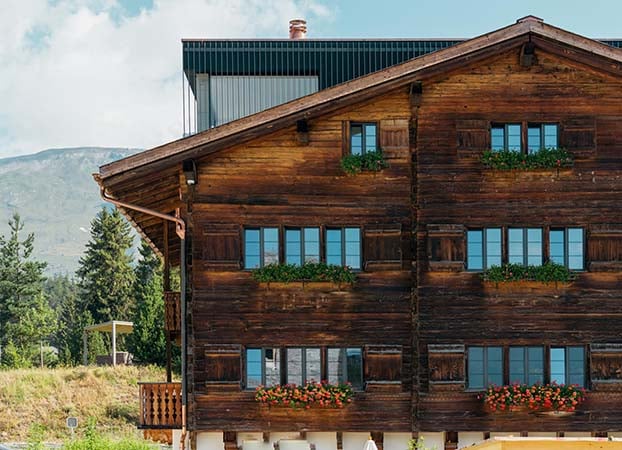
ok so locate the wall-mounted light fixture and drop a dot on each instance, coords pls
(190, 172)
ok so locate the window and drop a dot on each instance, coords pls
(343, 247)
(302, 364)
(345, 365)
(262, 367)
(568, 365)
(485, 367)
(302, 245)
(525, 246)
(566, 247)
(483, 248)
(542, 135)
(261, 247)
(506, 137)
(363, 138)
(526, 365)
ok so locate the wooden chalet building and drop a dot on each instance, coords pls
(419, 334)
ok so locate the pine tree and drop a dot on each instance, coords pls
(105, 276)
(148, 340)
(25, 316)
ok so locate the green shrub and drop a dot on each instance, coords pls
(124, 411)
(370, 161)
(545, 158)
(549, 272)
(93, 440)
(307, 272)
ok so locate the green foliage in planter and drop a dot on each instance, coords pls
(311, 393)
(549, 272)
(545, 158)
(370, 161)
(307, 272)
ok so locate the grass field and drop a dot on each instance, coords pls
(44, 398)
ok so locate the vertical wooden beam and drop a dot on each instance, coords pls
(378, 438)
(486, 435)
(85, 348)
(114, 343)
(339, 440)
(166, 283)
(559, 434)
(303, 435)
(266, 436)
(524, 434)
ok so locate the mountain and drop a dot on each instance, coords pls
(56, 196)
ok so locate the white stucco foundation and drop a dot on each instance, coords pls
(210, 441)
(433, 441)
(396, 441)
(468, 438)
(323, 441)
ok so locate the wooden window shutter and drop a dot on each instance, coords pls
(473, 137)
(382, 246)
(606, 367)
(383, 364)
(446, 247)
(578, 135)
(222, 246)
(394, 137)
(446, 366)
(223, 364)
(604, 248)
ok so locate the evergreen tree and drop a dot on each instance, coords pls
(148, 340)
(25, 316)
(105, 276)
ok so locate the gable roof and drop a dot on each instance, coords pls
(528, 28)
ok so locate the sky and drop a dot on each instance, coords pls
(108, 72)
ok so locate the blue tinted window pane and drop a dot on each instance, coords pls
(293, 247)
(535, 365)
(534, 246)
(515, 247)
(356, 139)
(558, 365)
(333, 247)
(370, 138)
(517, 365)
(312, 245)
(575, 248)
(557, 247)
(493, 247)
(576, 366)
(497, 138)
(550, 136)
(533, 139)
(354, 361)
(474, 250)
(476, 367)
(270, 246)
(353, 247)
(253, 367)
(495, 365)
(251, 248)
(514, 137)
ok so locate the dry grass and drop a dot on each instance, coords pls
(48, 396)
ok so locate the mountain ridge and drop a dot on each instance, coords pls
(54, 193)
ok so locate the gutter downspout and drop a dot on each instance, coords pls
(180, 230)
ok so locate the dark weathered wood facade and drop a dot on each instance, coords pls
(414, 308)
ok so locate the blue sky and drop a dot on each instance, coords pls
(107, 72)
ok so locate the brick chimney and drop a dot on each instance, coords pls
(297, 29)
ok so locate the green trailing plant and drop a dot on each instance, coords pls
(538, 397)
(418, 444)
(286, 273)
(370, 161)
(549, 272)
(312, 393)
(545, 158)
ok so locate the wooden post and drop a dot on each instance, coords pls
(230, 439)
(378, 438)
(451, 440)
(85, 348)
(339, 440)
(114, 343)
(166, 282)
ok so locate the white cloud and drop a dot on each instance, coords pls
(77, 73)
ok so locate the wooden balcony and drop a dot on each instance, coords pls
(160, 406)
(172, 308)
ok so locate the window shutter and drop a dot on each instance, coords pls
(446, 247)
(578, 135)
(222, 364)
(382, 247)
(604, 248)
(221, 246)
(606, 366)
(446, 367)
(383, 364)
(394, 137)
(473, 136)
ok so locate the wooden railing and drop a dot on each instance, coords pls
(172, 306)
(160, 405)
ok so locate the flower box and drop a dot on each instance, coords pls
(326, 286)
(311, 394)
(538, 398)
(523, 286)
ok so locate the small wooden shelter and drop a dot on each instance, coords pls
(114, 327)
